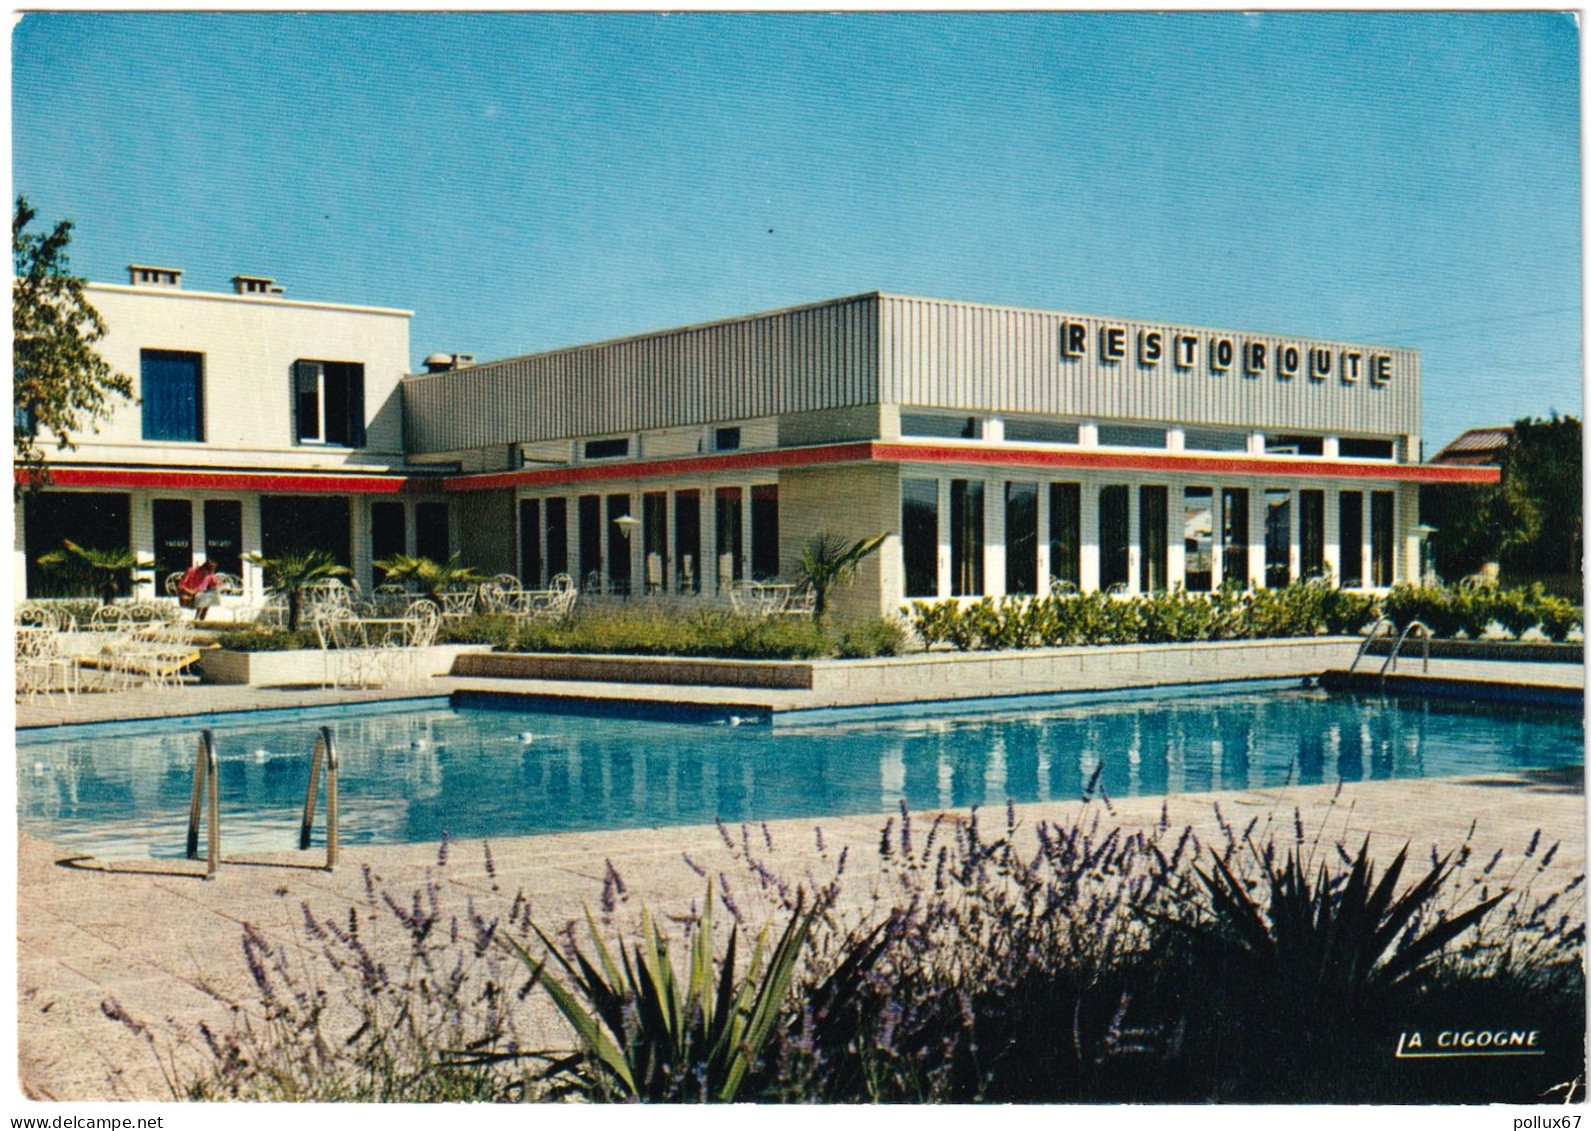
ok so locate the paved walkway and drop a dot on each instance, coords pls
(166, 945)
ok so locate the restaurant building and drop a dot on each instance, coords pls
(1002, 450)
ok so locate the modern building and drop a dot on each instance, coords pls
(261, 424)
(1476, 447)
(1002, 450)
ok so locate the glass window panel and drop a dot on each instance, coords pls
(1153, 539)
(940, 426)
(1066, 533)
(688, 541)
(388, 534)
(1350, 537)
(430, 532)
(1114, 537)
(1381, 549)
(1278, 537)
(1021, 537)
(1037, 431)
(966, 537)
(588, 519)
(1312, 533)
(618, 544)
(556, 543)
(730, 555)
(1234, 536)
(919, 523)
(173, 522)
(223, 534)
(1198, 538)
(1131, 436)
(654, 544)
(764, 532)
(1214, 440)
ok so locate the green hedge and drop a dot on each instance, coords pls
(1447, 612)
(1178, 616)
(641, 631)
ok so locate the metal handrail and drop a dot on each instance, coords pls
(205, 780)
(1364, 645)
(325, 751)
(1392, 657)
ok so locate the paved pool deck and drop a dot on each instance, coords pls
(165, 944)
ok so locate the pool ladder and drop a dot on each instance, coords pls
(206, 798)
(1391, 662)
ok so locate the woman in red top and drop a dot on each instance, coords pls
(193, 591)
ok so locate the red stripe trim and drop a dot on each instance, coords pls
(227, 481)
(888, 452)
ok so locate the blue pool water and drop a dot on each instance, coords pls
(407, 776)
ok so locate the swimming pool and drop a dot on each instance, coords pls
(408, 775)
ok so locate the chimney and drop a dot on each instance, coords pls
(142, 275)
(446, 362)
(255, 285)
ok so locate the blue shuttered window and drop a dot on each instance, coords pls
(172, 391)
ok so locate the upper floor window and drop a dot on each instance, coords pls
(1294, 445)
(1131, 436)
(172, 392)
(1351, 448)
(940, 426)
(726, 439)
(329, 403)
(614, 448)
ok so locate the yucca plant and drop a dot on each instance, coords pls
(291, 574)
(433, 577)
(106, 573)
(648, 1032)
(1324, 945)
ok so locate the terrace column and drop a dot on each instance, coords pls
(944, 537)
(994, 535)
(1256, 534)
(1088, 521)
(1043, 579)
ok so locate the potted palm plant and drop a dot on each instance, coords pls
(106, 573)
(291, 574)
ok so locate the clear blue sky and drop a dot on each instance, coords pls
(529, 181)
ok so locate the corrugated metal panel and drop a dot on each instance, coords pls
(992, 359)
(895, 350)
(790, 361)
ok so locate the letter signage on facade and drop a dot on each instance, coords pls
(1074, 339)
(1254, 356)
(1112, 343)
(1287, 361)
(1350, 367)
(1319, 364)
(1380, 369)
(1221, 355)
(1150, 347)
(1187, 351)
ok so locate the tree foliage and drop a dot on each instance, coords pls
(60, 384)
(105, 573)
(1530, 521)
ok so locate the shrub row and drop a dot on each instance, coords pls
(1074, 962)
(1300, 609)
(1447, 612)
(638, 631)
(1097, 618)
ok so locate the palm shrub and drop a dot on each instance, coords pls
(828, 560)
(291, 574)
(650, 1032)
(434, 578)
(106, 573)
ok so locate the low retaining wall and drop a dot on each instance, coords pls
(1521, 651)
(946, 675)
(304, 667)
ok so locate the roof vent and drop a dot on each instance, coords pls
(445, 362)
(142, 275)
(255, 285)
